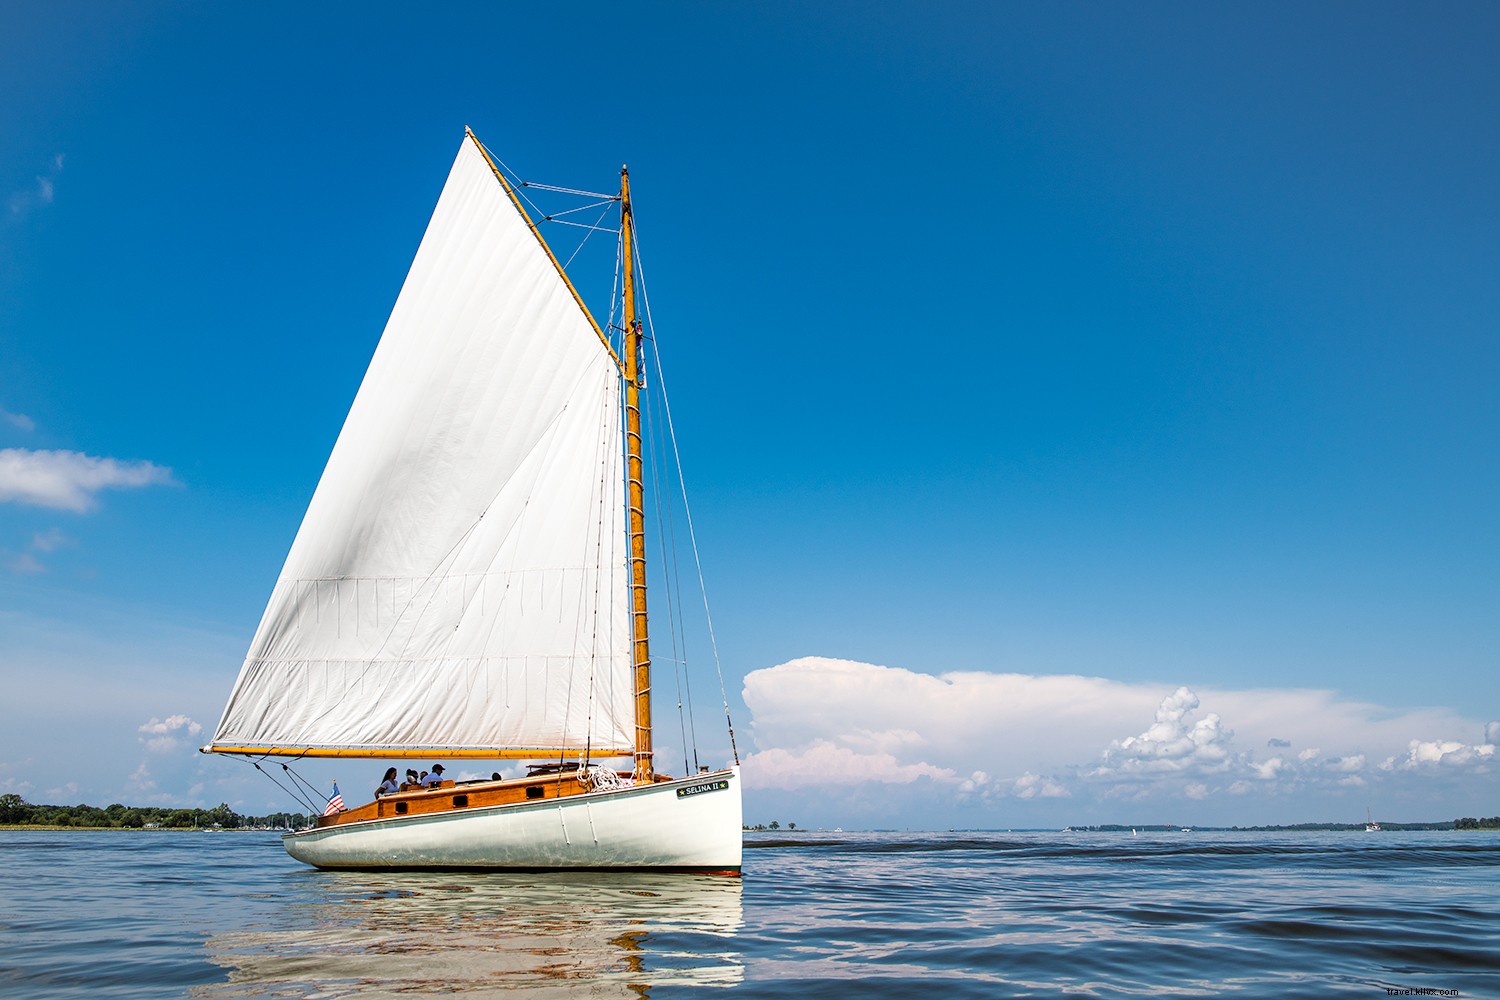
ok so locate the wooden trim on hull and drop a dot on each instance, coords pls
(524, 870)
(453, 797)
(431, 753)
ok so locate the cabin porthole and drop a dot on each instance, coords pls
(400, 808)
(459, 801)
(535, 792)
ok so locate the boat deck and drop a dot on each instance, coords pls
(451, 796)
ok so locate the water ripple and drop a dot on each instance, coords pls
(121, 914)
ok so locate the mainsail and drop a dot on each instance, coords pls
(459, 581)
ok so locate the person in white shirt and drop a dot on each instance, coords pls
(388, 786)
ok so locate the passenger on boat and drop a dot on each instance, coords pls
(411, 778)
(388, 785)
(435, 777)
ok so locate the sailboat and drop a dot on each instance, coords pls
(1370, 825)
(469, 580)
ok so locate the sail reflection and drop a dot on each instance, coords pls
(615, 934)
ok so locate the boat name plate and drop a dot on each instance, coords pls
(707, 786)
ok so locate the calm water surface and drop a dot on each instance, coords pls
(138, 914)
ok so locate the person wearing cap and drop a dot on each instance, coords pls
(435, 776)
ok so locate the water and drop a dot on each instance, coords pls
(229, 915)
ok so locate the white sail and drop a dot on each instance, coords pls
(459, 579)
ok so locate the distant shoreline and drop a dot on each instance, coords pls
(1102, 828)
(7, 827)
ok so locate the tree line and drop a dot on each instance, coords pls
(1470, 823)
(16, 811)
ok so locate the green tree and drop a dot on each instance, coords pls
(13, 809)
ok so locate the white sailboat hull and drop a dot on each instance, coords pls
(687, 824)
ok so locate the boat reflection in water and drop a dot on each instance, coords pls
(365, 934)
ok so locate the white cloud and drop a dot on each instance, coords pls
(25, 563)
(18, 420)
(42, 541)
(164, 735)
(821, 763)
(12, 777)
(1429, 754)
(68, 480)
(1171, 745)
(42, 193)
(67, 792)
(988, 737)
(140, 781)
(49, 541)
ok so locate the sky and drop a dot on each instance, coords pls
(1089, 411)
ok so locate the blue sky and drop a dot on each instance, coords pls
(1149, 344)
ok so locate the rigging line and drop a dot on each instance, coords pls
(591, 230)
(616, 293)
(519, 186)
(580, 225)
(561, 190)
(543, 439)
(672, 599)
(601, 460)
(686, 508)
(295, 796)
(692, 716)
(520, 525)
(676, 578)
(301, 782)
(608, 203)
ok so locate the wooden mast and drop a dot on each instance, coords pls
(640, 646)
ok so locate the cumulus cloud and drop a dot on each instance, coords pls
(1433, 754)
(986, 737)
(1172, 745)
(162, 735)
(982, 787)
(823, 762)
(68, 480)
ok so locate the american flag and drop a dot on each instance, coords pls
(335, 804)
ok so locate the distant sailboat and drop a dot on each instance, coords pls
(1370, 825)
(469, 580)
